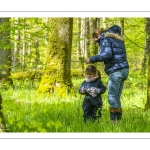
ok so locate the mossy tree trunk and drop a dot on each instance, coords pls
(57, 76)
(147, 30)
(5, 51)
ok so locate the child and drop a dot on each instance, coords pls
(92, 87)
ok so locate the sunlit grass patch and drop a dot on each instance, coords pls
(24, 111)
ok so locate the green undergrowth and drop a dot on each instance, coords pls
(25, 112)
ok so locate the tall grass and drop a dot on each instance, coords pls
(25, 112)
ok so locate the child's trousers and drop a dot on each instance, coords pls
(91, 112)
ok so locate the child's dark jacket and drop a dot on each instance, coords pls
(97, 100)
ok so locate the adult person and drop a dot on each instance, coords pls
(113, 54)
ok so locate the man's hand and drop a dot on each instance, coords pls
(87, 61)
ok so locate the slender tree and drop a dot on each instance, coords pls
(5, 51)
(147, 30)
(104, 22)
(122, 25)
(87, 33)
(5, 61)
(15, 52)
(23, 52)
(82, 37)
(79, 33)
(97, 23)
(144, 59)
(94, 24)
(57, 75)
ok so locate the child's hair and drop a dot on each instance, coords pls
(97, 32)
(93, 69)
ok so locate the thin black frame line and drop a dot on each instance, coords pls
(76, 11)
(81, 138)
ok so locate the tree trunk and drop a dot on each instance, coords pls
(86, 36)
(97, 23)
(46, 36)
(5, 51)
(147, 30)
(15, 60)
(57, 75)
(144, 54)
(122, 26)
(94, 23)
(78, 43)
(37, 54)
(82, 37)
(104, 22)
(23, 46)
(144, 59)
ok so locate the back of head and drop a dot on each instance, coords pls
(97, 32)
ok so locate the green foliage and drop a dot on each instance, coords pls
(81, 59)
(28, 75)
(26, 112)
(134, 33)
(76, 73)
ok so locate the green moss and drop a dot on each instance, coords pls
(30, 74)
(57, 75)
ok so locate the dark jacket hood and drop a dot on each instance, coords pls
(112, 32)
(114, 29)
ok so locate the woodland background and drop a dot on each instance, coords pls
(42, 66)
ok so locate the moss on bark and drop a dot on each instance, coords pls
(57, 76)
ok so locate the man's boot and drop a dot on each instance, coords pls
(119, 114)
(113, 114)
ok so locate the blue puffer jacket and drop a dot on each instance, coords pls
(112, 50)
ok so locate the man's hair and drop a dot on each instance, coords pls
(97, 32)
